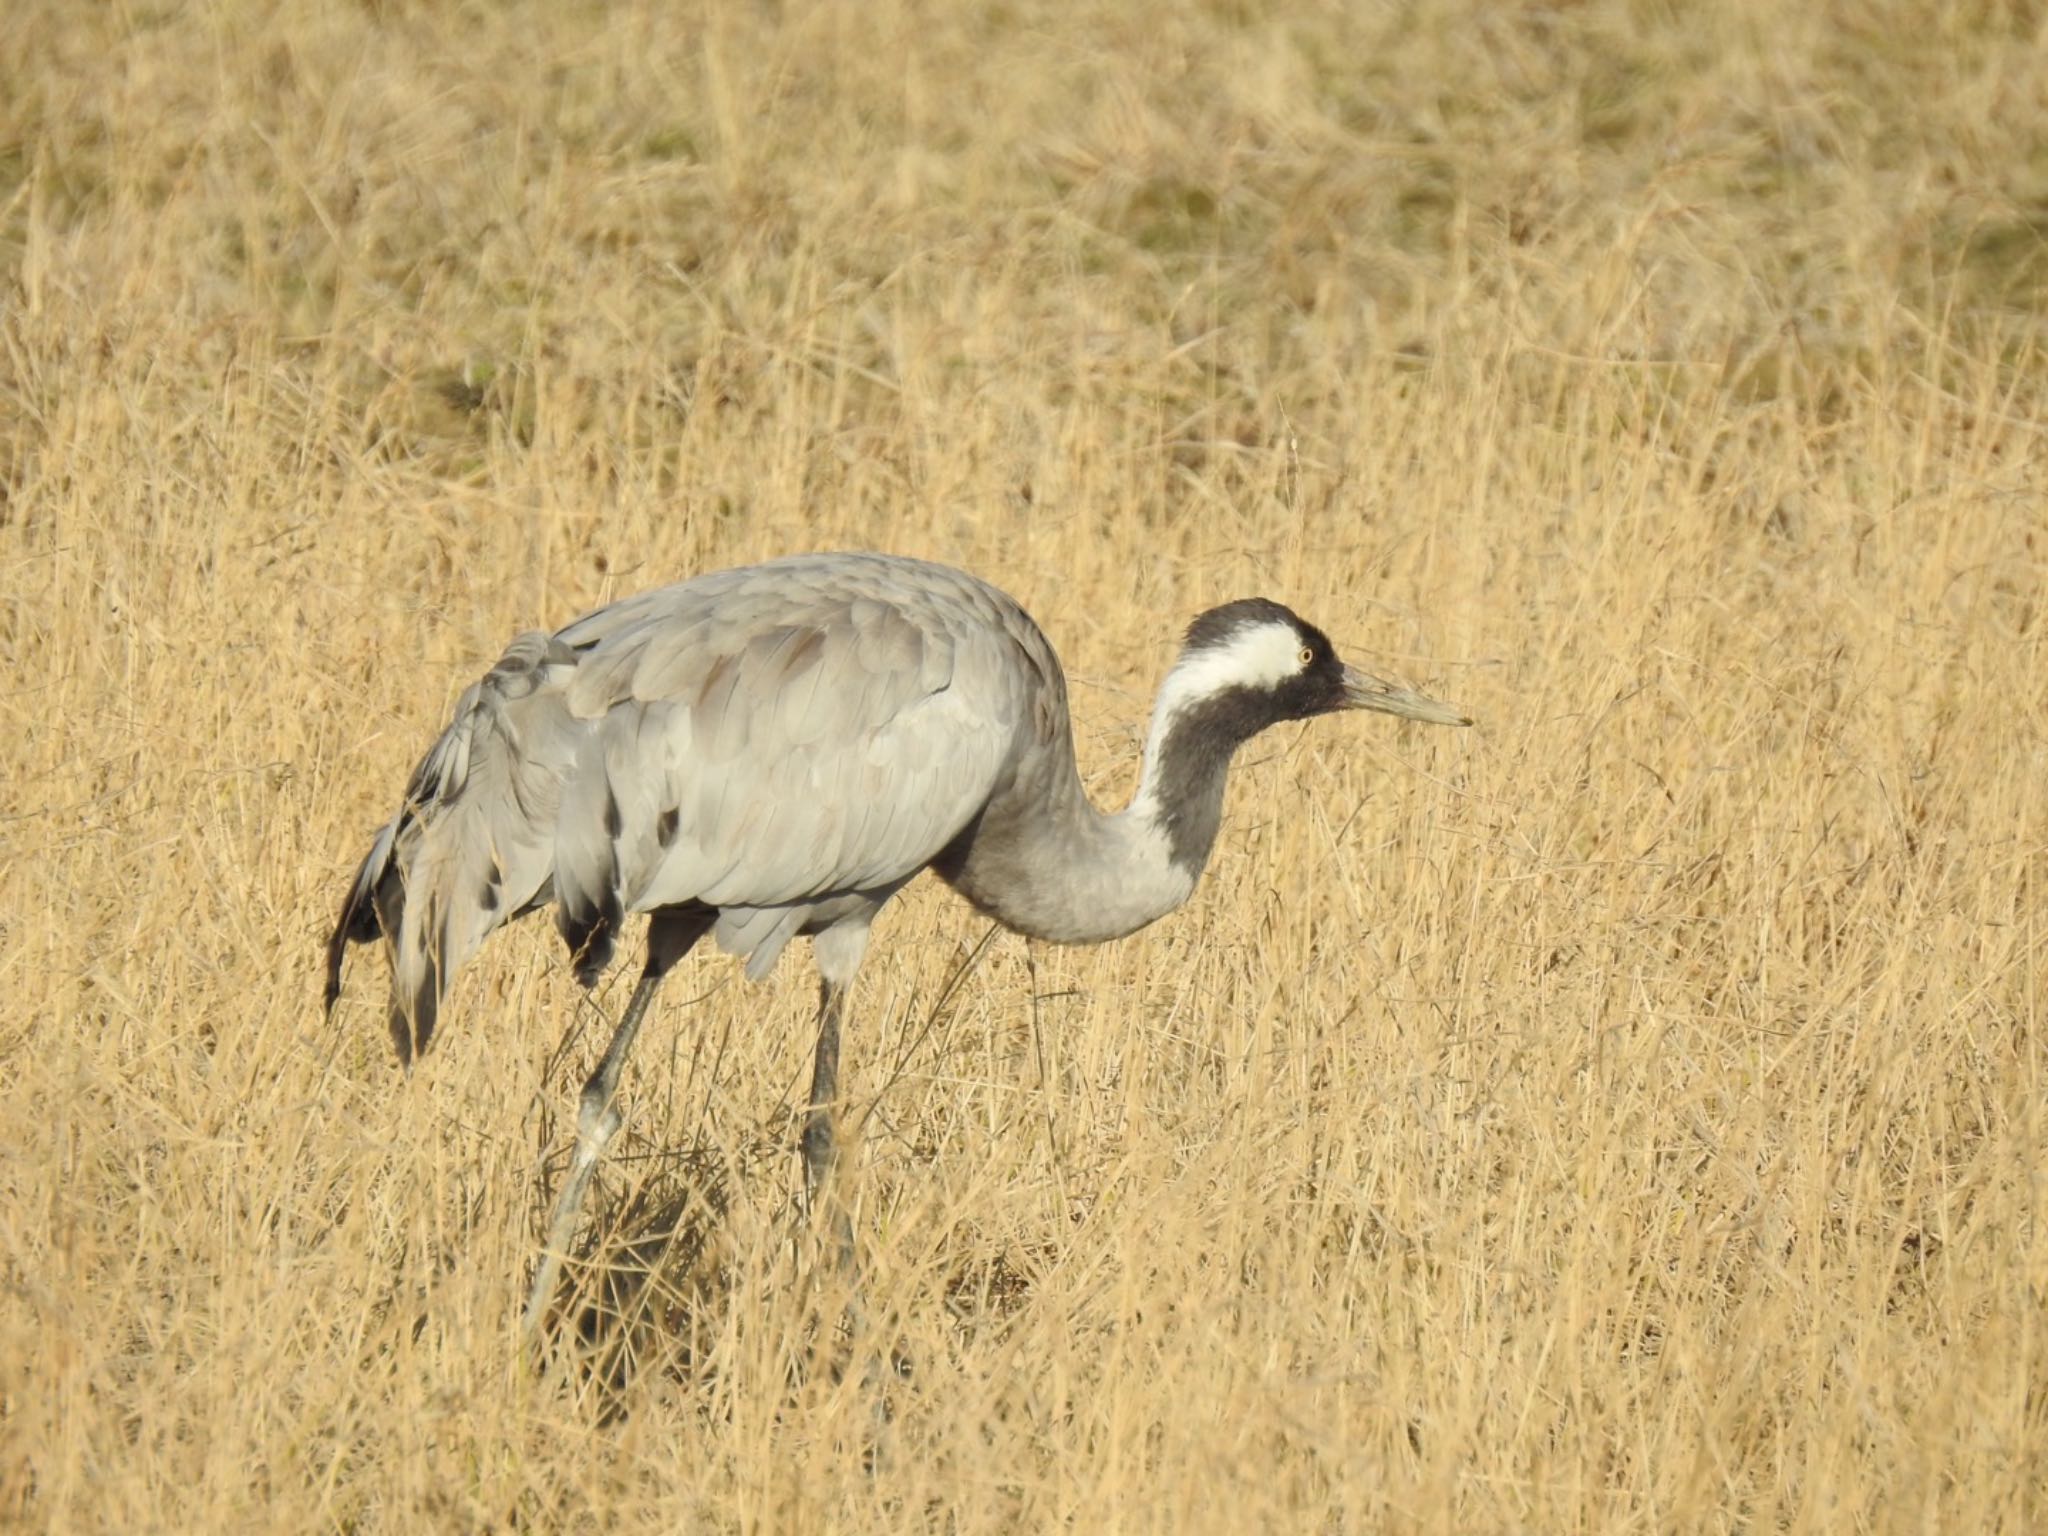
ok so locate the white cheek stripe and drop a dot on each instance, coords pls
(1260, 656)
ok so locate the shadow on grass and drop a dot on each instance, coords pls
(647, 1290)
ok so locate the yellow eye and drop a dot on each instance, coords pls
(1306, 656)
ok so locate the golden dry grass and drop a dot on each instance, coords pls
(1624, 1116)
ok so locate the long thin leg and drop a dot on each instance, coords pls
(669, 937)
(821, 1123)
(839, 950)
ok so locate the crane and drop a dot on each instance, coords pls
(772, 752)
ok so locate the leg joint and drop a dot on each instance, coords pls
(596, 1118)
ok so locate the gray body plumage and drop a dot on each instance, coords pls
(775, 751)
(786, 743)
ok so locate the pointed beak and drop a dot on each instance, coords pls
(1364, 691)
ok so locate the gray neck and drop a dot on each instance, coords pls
(1045, 862)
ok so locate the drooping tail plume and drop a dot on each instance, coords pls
(472, 846)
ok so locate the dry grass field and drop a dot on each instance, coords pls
(1626, 1115)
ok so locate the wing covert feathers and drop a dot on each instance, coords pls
(768, 741)
(471, 845)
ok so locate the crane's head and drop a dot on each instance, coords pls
(1254, 663)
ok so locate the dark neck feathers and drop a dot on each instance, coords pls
(1192, 765)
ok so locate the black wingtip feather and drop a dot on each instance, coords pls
(357, 925)
(411, 1037)
(590, 935)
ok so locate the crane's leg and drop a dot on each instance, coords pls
(839, 950)
(669, 936)
(821, 1124)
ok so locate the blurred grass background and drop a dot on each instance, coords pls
(1626, 1115)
